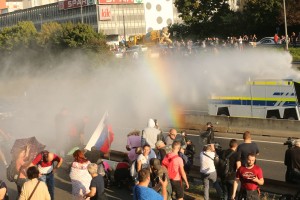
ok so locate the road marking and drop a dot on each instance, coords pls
(275, 161)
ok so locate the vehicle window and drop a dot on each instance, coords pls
(266, 42)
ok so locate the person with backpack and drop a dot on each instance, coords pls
(229, 162)
(208, 136)
(45, 162)
(174, 163)
(208, 170)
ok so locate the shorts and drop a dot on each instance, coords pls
(177, 187)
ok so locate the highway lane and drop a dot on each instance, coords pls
(271, 154)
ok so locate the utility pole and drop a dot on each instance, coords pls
(285, 28)
(41, 20)
(124, 23)
(81, 11)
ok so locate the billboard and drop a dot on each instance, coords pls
(120, 1)
(69, 4)
(104, 12)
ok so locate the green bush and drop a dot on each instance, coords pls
(295, 52)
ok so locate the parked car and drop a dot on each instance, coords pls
(267, 41)
(135, 51)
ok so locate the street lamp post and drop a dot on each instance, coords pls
(124, 24)
(285, 28)
(81, 11)
(41, 20)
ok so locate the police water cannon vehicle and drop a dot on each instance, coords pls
(275, 99)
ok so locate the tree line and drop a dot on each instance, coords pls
(208, 18)
(23, 42)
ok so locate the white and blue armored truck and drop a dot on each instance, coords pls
(276, 99)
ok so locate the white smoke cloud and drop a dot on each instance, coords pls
(130, 93)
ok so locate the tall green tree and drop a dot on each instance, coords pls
(197, 11)
(21, 35)
(48, 37)
(261, 16)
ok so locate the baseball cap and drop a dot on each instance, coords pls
(155, 163)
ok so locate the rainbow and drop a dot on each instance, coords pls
(160, 72)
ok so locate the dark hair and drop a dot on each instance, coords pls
(146, 145)
(143, 175)
(32, 172)
(233, 143)
(251, 155)
(45, 154)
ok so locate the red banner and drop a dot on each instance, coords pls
(117, 1)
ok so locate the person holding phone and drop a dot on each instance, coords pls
(251, 177)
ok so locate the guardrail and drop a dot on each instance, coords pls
(270, 127)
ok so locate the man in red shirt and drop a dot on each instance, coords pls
(250, 176)
(45, 163)
(176, 172)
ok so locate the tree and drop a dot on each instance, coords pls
(48, 36)
(197, 11)
(21, 35)
(292, 12)
(261, 16)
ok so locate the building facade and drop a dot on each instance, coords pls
(112, 17)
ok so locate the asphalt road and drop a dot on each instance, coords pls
(271, 154)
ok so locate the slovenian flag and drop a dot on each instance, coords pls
(102, 136)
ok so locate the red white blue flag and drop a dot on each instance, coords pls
(102, 136)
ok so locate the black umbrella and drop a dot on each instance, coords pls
(31, 143)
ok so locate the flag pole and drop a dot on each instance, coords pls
(108, 138)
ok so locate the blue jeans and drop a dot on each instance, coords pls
(49, 180)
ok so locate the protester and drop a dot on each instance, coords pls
(93, 155)
(176, 171)
(143, 192)
(97, 191)
(143, 159)
(247, 147)
(21, 159)
(190, 151)
(174, 136)
(150, 134)
(133, 141)
(292, 161)
(80, 177)
(161, 150)
(122, 174)
(45, 163)
(208, 136)
(33, 188)
(234, 164)
(208, 170)
(3, 191)
(251, 177)
(159, 172)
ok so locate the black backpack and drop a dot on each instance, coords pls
(223, 168)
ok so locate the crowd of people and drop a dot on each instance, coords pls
(214, 44)
(165, 172)
(157, 167)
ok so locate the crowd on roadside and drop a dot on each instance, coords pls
(157, 167)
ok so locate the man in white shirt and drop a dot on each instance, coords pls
(208, 170)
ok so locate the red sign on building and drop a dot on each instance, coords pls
(105, 12)
(120, 1)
